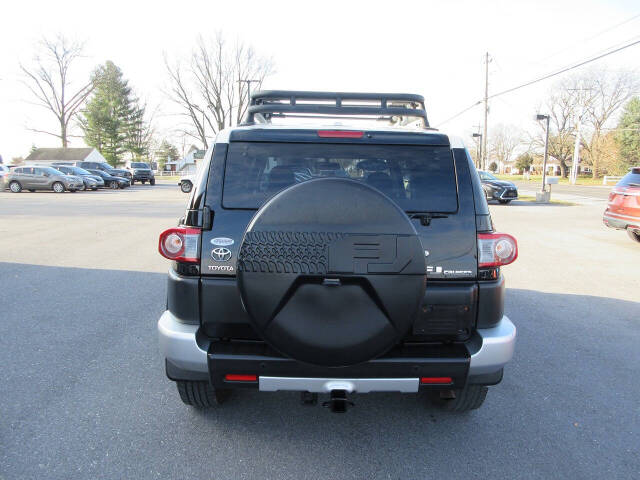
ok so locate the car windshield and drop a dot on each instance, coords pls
(486, 176)
(419, 178)
(139, 165)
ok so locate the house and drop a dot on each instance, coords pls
(188, 164)
(64, 155)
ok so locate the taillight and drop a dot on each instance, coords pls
(180, 244)
(340, 134)
(234, 377)
(435, 380)
(496, 249)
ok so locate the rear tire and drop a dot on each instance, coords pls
(152, 181)
(15, 187)
(466, 399)
(58, 187)
(32, 190)
(201, 394)
(635, 236)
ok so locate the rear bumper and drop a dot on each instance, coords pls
(480, 360)
(620, 221)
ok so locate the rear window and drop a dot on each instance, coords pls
(418, 178)
(631, 178)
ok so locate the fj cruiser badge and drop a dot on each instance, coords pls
(221, 254)
(222, 241)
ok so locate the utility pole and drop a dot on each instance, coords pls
(486, 111)
(546, 150)
(478, 148)
(573, 177)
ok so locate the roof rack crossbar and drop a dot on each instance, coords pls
(291, 103)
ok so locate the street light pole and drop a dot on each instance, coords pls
(546, 149)
(478, 149)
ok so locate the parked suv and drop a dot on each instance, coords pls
(141, 172)
(42, 178)
(623, 208)
(105, 167)
(336, 259)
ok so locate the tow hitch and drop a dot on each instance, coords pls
(338, 403)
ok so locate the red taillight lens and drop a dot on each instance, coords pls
(340, 134)
(234, 377)
(180, 244)
(496, 249)
(436, 380)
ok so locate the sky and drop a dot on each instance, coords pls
(433, 48)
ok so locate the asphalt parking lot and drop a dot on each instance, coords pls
(83, 392)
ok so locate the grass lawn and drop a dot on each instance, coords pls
(172, 179)
(529, 198)
(565, 181)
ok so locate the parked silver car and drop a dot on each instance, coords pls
(90, 181)
(42, 178)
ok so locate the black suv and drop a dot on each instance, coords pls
(105, 167)
(495, 189)
(336, 260)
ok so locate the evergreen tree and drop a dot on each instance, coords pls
(109, 113)
(628, 135)
(166, 152)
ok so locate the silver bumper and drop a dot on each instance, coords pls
(178, 345)
(497, 348)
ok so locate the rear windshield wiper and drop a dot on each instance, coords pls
(426, 217)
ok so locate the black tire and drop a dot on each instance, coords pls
(94, 188)
(469, 398)
(58, 187)
(122, 186)
(504, 202)
(32, 190)
(186, 186)
(201, 394)
(633, 235)
(132, 181)
(84, 187)
(144, 181)
(152, 181)
(73, 190)
(15, 187)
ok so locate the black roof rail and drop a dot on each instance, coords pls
(398, 108)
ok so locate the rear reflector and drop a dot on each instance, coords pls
(496, 249)
(436, 380)
(234, 377)
(340, 134)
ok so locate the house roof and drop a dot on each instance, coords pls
(62, 154)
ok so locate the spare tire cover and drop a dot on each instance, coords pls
(331, 272)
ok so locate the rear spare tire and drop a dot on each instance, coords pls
(331, 272)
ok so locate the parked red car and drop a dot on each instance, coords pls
(623, 209)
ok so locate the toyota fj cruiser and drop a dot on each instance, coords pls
(336, 259)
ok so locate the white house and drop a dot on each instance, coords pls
(64, 155)
(188, 164)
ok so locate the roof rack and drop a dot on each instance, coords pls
(396, 108)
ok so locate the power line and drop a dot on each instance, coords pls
(545, 77)
(588, 39)
(566, 69)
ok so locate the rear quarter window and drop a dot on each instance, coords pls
(631, 178)
(418, 178)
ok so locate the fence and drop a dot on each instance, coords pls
(609, 177)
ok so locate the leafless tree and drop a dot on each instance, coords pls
(503, 142)
(609, 92)
(208, 90)
(49, 81)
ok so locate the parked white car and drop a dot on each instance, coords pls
(186, 183)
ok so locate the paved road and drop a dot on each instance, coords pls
(83, 392)
(600, 192)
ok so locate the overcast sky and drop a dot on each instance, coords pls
(432, 48)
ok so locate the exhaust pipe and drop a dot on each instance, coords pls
(338, 403)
